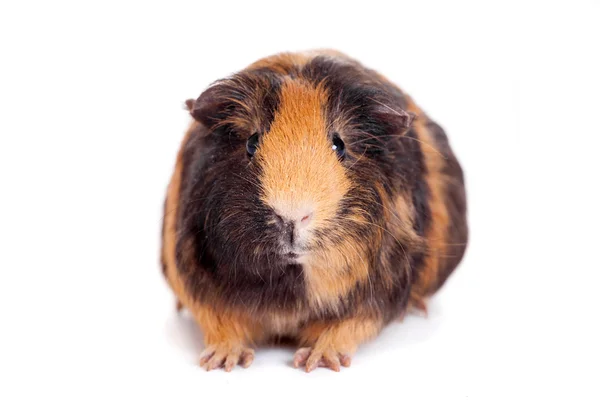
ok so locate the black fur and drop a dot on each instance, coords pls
(224, 241)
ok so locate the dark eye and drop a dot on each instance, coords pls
(338, 146)
(252, 144)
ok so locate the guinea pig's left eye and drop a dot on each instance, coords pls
(252, 144)
(338, 146)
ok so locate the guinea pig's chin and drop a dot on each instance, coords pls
(294, 253)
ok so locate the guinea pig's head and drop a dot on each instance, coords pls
(295, 161)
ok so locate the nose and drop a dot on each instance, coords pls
(292, 227)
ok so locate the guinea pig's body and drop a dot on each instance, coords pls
(311, 199)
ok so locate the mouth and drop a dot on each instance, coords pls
(294, 256)
(293, 252)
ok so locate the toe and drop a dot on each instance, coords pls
(206, 355)
(331, 360)
(313, 360)
(228, 357)
(216, 361)
(327, 357)
(247, 357)
(301, 356)
(346, 360)
(232, 359)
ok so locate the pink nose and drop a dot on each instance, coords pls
(304, 221)
(292, 227)
(301, 222)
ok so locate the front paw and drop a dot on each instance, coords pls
(318, 356)
(226, 356)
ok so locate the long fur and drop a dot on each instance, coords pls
(388, 219)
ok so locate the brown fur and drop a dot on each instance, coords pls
(299, 173)
(281, 63)
(219, 326)
(170, 227)
(399, 214)
(427, 280)
(170, 221)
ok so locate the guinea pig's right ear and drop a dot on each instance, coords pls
(211, 107)
(189, 105)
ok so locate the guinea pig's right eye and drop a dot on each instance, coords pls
(338, 146)
(252, 144)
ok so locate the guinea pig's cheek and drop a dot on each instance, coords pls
(304, 259)
(305, 238)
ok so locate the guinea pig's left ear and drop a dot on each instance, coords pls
(407, 118)
(395, 117)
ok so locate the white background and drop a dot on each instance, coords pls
(91, 118)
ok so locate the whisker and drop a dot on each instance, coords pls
(390, 233)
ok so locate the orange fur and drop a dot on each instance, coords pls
(301, 172)
(399, 216)
(281, 63)
(343, 336)
(225, 327)
(283, 324)
(437, 232)
(284, 63)
(331, 274)
(299, 168)
(170, 222)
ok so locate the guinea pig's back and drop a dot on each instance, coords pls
(447, 232)
(455, 201)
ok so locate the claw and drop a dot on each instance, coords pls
(331, 360)
(206, 355)
(228, 357)
(247, 357)
(231, 361)
(346, 360)
(301, 356)
(312, 358)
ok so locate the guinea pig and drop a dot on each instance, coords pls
(312, 200)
